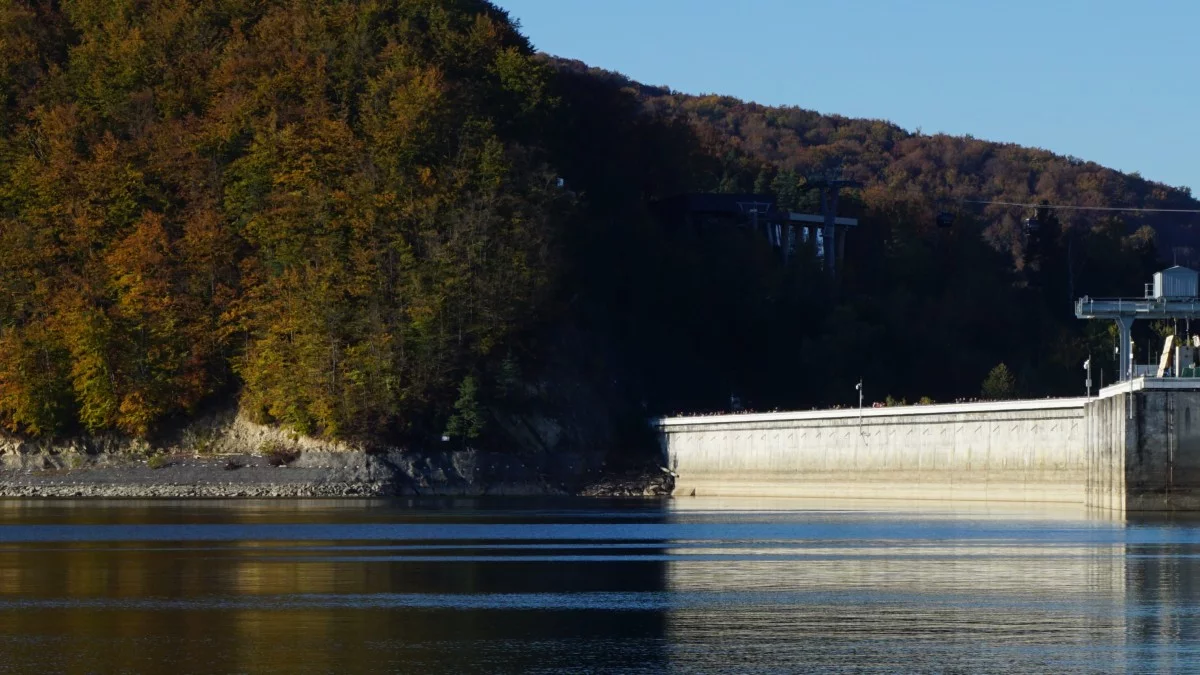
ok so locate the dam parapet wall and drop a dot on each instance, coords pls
(1134, 447)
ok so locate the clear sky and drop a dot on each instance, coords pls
(1113, 81)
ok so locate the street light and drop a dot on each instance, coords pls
(860, 402)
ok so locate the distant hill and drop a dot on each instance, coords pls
(701, 316)
(940, 169)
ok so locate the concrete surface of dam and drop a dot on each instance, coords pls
(1136, 446)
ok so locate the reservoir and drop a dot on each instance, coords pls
(686, 585)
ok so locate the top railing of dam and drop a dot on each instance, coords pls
(894, 411)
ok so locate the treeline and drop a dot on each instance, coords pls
(781, 146)
(391, 219)
(331, 209)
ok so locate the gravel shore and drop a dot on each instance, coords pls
(182, 476)
(312, 474)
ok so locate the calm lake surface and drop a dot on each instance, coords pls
(689, 585)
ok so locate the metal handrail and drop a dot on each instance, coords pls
(1169, 299)
(1135, 305)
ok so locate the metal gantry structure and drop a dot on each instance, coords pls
(782, 228)
(830, 186)
(1173, 296)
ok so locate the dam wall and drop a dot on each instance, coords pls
(1134, 447)
(1003, 451)
(1143, 450)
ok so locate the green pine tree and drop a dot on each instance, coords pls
(468, 418)
(999, 385)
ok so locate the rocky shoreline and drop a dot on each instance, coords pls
(311, 474)
(226, 456)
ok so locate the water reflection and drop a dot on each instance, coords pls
(1163, 585)
(502, 586)
(978, 590)
(967, 607)
(311, 605)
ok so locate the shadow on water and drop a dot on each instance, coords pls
(415, 588)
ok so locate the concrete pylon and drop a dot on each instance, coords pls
(1125, 346)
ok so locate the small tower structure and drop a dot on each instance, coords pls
(1174, 294)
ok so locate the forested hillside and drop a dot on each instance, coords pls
(392, 220)
(921, 311)
(330, 209)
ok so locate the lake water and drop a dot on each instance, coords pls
(689, 585)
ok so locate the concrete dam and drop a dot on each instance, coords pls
(1134, 447)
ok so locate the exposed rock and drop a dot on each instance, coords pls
(227, 456)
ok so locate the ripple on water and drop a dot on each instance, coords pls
(507, 586)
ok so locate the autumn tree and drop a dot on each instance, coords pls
(338, 207)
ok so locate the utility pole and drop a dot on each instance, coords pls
(830, 184)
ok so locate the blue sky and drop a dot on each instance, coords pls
(1113, 82)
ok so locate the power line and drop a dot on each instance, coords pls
(1081, 208)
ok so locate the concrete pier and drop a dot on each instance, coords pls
(1143, 449)
(1134, 447)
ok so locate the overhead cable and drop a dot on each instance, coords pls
(1081, 208)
